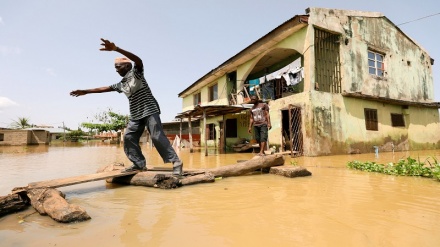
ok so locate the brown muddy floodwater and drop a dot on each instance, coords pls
(333, 207)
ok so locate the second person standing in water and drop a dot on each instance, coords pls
(144, 110)
(260, 120)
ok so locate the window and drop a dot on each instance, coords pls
(2, 137)
(197, 98)
(375, 63)
(370, 119)
(397, 120)
(210, 131)
(231, 128)
(213, 92)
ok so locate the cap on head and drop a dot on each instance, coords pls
(122, 60)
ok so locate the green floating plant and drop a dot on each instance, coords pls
(429, 168)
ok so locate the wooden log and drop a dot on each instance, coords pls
(13, 203)
(242, 168)
(206, 177)
(290, 171)
(166, 180)
(51, 202)
(158, 177)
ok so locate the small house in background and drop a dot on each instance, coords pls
(11, 137)
(336, 81)
(55, 133)
(181, 130)
(172, 130)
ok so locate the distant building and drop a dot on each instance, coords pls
(172, 129)
(55, 133)
(12, 137)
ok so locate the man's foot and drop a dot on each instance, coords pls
(178, 168)
(133, 168)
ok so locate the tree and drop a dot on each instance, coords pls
(21, 123)
(75, 135)
(109, 121)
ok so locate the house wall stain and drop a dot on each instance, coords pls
(407, 66)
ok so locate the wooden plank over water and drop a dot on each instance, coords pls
(61, 182)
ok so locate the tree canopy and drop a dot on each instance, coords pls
(108, 121)
(21, 123)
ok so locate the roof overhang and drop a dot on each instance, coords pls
(391, 101)
(211, 111)
(269, 40)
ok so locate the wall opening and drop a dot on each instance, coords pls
(231, 128)
(327, 62)
(210, 132)
(397, 120)
(292, 131)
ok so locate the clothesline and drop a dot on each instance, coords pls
(265, 85)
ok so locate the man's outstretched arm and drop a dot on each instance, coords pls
(79, 92)
(110, 46)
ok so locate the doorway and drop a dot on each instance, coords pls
(292, 137)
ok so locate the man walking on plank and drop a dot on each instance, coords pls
(144, 110)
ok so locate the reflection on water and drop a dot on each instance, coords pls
(333, 207)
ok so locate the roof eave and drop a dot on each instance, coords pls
(253, 50)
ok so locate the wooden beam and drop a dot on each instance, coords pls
(190, 134)
(62, 182)
(290, 130)
(204, 127)
(180, 134)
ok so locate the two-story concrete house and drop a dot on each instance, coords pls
(336, 81)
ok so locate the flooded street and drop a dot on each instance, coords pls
(335, 206)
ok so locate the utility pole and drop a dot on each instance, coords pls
(64, 133)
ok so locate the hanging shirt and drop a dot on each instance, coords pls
(141, 101)
(252, 84)
(295, 76)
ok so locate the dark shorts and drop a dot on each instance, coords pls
(260, 133)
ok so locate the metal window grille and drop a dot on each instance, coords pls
(327, 61)
(296, 132)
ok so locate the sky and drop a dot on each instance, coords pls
(51, 47)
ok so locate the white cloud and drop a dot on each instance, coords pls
(7, 50)
(6, 103)
(1, 21)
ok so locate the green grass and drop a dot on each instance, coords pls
(429, 168)
(294, 163)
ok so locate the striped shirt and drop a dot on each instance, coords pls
(141, 100)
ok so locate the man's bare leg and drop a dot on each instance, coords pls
(262, 147)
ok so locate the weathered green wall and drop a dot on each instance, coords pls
(337, 126)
